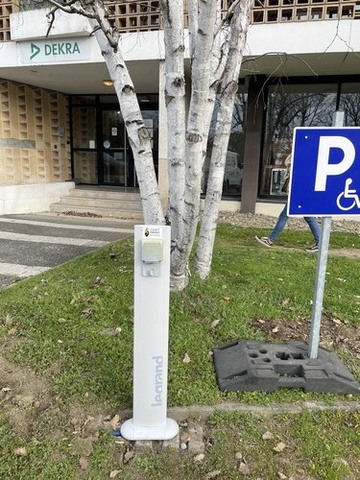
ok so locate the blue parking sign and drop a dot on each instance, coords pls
(325, 172)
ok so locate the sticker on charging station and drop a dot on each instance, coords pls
(152, 231)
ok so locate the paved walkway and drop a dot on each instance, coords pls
(34, 243)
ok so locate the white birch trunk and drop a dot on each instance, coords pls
(173, 14)
(229, 85)
(196, 133)
(193, 15)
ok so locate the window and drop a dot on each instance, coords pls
(233, 173)
(350, 104)
(291, 106)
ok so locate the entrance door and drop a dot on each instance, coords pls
(116, 162)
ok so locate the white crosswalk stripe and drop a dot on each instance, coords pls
(56, 240)
(66, 225)
(20, 270)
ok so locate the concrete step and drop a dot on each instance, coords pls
(102, 212)
(102, 202)
(105, 194)
(113, 204)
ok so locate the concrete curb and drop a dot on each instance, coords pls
(191, 420)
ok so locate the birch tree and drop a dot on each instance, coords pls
(216, 46)
(228, 87)
(216, 49)
(108, 39)
(192, 143)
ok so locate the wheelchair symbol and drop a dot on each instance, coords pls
(348, 198)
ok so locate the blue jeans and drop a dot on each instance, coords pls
(283, 218)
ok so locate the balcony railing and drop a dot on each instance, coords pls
(144, 15)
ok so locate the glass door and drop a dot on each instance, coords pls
(114, 164)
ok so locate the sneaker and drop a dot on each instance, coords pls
(313, 249)
(264, 241)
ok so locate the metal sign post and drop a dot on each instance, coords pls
(319, 287)
(320, 278)
(151, 332)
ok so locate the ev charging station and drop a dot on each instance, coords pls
(151, 333)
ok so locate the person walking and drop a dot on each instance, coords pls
(280, 225)
(283, 218)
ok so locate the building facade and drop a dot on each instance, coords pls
(60, 122)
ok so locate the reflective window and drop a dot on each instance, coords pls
(350, 104)
(233, 173)
(291, 106)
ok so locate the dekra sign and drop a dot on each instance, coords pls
(56, 49)
(65, 48)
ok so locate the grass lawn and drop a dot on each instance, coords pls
(66, 359)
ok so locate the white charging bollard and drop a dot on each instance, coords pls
(151, 334)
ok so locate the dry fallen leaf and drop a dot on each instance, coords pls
(115, 421)
(279, 447)
(215, 323)
(275, 330)
(87, 312)
(128, 456)
(186, 358)
(8, 320)
(268, 436)
(285, 302)
(199, 297)
(211, 475)
(21, 451)
(84, 463)
(114, 473)
(244, 469)
(184, 437)
(199, 458)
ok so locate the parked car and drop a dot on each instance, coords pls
(233, 173)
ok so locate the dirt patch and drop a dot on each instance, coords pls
(33, 409)
(20, 393)
(334, 333)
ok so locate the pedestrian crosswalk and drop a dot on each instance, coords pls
(34, 243)
(48, 239)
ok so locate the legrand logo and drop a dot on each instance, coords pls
(54, 49)
(158, 381)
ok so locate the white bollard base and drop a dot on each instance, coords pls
(131, 432)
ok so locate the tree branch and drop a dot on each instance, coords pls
(88, 9)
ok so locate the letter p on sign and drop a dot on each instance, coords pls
(324, 167)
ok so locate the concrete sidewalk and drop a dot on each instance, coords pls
(34, 243)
